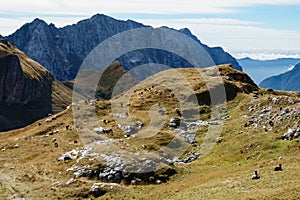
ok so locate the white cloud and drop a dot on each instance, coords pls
(234, 33)
(217, 21)
(9, 25)
(266, 56)
(133, 6)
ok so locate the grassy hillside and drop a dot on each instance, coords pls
(251, 139)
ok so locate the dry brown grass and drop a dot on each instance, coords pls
(31, 169)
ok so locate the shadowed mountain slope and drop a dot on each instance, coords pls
(27, 90)
(288, 81)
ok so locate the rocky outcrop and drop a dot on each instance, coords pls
(26, 88)
(234, 82)
(62, 50)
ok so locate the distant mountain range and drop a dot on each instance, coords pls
(28, 91)
(288, 81)
(62, 50)
(259, 70)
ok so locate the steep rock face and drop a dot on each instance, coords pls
(18, 85)
(39, 41)
(26, 89)
(62, 50)
(288, 81)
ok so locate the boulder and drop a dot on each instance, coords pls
(97, 190)
(102, 130)
(289, 134)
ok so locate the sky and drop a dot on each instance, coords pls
(260, 29)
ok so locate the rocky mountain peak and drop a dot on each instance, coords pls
(62, 50)
(36, 24)
(100, 17)
(38, 21)
(297, 68)
(187, 32)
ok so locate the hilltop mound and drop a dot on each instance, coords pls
(259, 130)
(27, 90)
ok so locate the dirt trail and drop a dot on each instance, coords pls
(6, 183)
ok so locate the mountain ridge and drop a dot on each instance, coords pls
(288, 81)
(62, 50)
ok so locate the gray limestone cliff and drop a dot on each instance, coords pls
(62, 50)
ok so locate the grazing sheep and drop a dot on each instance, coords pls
(68, 127)
(278, 168)
(141, 98)
(104, 121)
(174, 122)
(67, 158)
(255, 175)
(178, 112)
(56, 144)
(55, 131)
(172, 94)
(102, 130)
